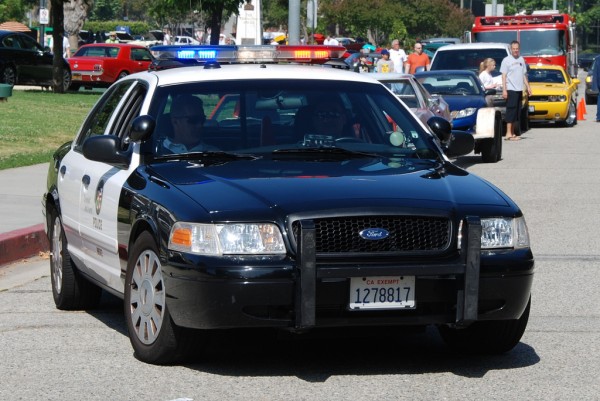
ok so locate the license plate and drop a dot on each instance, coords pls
(382, 292)
(531, 109)
(76, 77)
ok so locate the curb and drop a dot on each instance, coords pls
(23, 243)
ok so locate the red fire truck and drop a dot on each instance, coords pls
(546, 37)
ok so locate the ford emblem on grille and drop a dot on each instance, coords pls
(374, 233)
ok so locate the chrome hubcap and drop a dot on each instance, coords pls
(57, 256)
(147, 298)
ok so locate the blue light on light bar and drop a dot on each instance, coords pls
(186, 54)
(207, 54)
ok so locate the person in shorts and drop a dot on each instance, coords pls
(514, 81)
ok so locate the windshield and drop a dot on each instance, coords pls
(266, 117)
(404, 91)
(450, 84)
(467, 59)
(537, 42)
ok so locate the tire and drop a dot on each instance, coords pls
(525, 119)
(491, 148)
(487, 337)
(69, 289)
(9, 76)
(571, 119)
(122, 75)
(66, 80)
(153, 335)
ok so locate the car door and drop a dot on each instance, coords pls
(101, 190)
(37, 65)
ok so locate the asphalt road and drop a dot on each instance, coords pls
(552, 173)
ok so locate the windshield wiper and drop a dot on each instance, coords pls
(323, 151)
(221, 156)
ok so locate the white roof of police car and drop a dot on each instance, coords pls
(386, 76)
(253, 71)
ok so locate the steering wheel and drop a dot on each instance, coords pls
(349, 139)
(461, 91)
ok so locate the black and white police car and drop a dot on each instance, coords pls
(307, 197)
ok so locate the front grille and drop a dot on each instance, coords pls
(407, 234)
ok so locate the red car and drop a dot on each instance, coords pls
(101, 64)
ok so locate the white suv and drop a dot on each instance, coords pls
(468, 56)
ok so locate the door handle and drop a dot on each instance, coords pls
(86, 180)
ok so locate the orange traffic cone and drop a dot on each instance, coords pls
(581, 111)
(584, 108)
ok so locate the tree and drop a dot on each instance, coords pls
(57, 14)
(12, 10)
(75, 14)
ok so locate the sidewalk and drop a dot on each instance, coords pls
(21, 221)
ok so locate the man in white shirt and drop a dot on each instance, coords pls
(398, 56)
(329, 41)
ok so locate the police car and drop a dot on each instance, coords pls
(307, 197)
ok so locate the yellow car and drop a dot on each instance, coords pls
(553, 95)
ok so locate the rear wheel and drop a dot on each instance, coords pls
(493, 337)
(69, 289)
(153, 335)
(9, 76)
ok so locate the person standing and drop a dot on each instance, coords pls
(362, 66)
(112, 38)
(329, 41)
(384, 64)
(596, 83)
(398, 56)
(66, 45)
(416, 59)
(514, 81)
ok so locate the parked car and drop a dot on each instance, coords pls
(553, 95)
(585, 60)
(406, 88)
(591, 96)
(23, 61)
(356, 221)
(150, 39)
(468, 56)
(101, 64)
(185, 40)
(471, 107)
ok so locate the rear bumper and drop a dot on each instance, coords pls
(302, 294)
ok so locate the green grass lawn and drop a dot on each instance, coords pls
(34, 123)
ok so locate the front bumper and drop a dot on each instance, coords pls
(548, 111)
(306, 293)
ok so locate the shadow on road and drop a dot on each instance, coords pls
(320, 354)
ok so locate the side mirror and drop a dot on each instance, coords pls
(461, 143)
(142, 128)
(441, 128)
(106, 149)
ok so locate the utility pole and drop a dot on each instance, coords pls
(294, 22)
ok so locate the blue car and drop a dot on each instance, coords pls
(471, 106)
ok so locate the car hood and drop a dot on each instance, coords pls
(457, 102)
(294, 187)
(544, 88)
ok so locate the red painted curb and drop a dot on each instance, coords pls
(22, 243)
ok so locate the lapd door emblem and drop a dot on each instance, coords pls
(99, 191)
(374, 234)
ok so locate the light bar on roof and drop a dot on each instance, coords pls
(249, 53)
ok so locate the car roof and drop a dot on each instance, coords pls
(477, 45)
(386, 76)
(112, 45)
(183, 75)
(446, 72)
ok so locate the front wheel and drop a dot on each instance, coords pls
(487, 337)
(491, 148)
(153, 335)
(69, 289)
(571, 119)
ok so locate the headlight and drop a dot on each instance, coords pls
(501, 232)
(469, 111)
(557, 98)
(227, 239)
